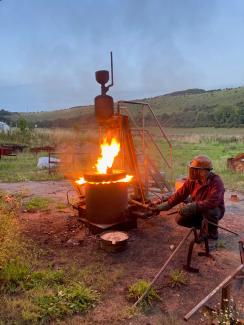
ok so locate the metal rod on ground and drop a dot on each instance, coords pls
(163, 267)
(220, 286)
(226, 229)
(241, 248)
(211, 223)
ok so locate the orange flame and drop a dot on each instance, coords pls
(126, 179)
(108, 153)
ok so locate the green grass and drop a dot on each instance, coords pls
(61, 206)
(97, 276)
(12, 276)
(217, 150)
(218, 144)
(65, 301)
(46, 295)
(220, 244)
(177, 278)
(31, 293)
(16, 276)
(170, 104)
(29, 138)
(136, 290)
(11, 246)
(37, 203)
(24, 168)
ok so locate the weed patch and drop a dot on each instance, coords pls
(61, 206)
(221, 244)
(177, 278)
(11, 246)
(12, 276)
(42, 305)
(37, 204)
(65, 301)
(16, 277)
(137, 289)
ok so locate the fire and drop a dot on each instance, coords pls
(108, 153)
(81, 181)
(126, 179)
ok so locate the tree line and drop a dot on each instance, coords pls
(195, 116)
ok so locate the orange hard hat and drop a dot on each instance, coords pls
(201, 162)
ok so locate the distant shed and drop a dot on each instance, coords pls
(4, 127)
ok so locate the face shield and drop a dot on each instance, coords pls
(194, 173)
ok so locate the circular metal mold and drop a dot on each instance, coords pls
(114, 241)
(116, 175)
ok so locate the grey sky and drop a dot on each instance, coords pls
(50, 49)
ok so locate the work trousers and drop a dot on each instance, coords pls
(195, 220)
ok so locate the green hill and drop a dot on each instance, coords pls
(187, 108)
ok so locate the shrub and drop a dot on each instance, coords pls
(177, 278)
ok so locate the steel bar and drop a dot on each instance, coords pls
(221, 227)
(223, 284)
(241, 248)
(145, 206)
(211, 223)
(188, 266)
(163, 267)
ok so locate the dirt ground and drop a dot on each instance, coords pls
(149, 246)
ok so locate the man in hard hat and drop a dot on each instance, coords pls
(206, 193)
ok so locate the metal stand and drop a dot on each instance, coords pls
(198, 238)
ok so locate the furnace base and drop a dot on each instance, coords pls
(130, 222)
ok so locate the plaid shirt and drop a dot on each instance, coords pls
(207, 196)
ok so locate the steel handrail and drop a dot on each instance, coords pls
(156, 120)
(155, 144)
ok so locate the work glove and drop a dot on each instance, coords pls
(161, 207)
(189, 209)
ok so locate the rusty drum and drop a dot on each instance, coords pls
(106, 199)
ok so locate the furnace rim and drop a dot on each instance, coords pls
(116, 175)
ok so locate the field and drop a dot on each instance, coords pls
(52, 271)
(218, 144)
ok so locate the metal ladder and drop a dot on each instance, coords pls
(150, 172)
